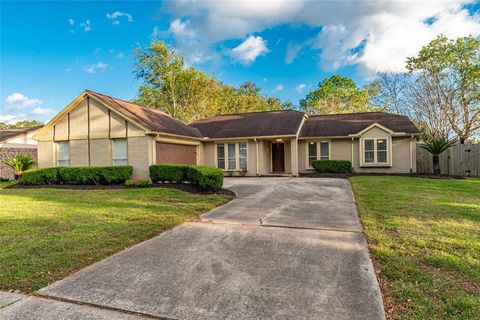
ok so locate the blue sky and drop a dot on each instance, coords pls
(51, 51)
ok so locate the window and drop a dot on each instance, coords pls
(242, 156)
(381, 150)
(232, 156)
(232, 159)
(120, 152)
(221, 156)
(375, 151)
(369, 150)
(324, 151)
(63, 153)
(312, 153)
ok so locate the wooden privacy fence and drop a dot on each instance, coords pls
(459, 160)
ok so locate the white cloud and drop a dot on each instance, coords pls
(248, 51)
(71, 21)
(375, 35)
(94, 68)
(18, 107)
(114, 17)
(300, 87)
(86, 25)
(278, 88)
(292, 52)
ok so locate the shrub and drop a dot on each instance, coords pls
(78, 175)
(143, 184)
(42, 176)
(130, 183)
(206, 178)
(332, 166)
(96, 175)
(168, 172)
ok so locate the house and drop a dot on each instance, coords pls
(98, 130)
(14, 142)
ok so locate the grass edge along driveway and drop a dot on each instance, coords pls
(47, 234)
(424, 237)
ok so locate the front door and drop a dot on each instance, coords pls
(278, 157)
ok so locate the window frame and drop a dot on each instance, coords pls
(376, 163)
(318, 151)
(237, 155)
(113, 158)
(57, 146)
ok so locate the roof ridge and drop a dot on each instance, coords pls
(241, 113)
(354, 113)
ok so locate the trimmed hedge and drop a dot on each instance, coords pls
(206, 178)
(332, 166)
(42, 176)
(79, 175)
(168, 173)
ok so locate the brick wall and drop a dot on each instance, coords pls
(8, 153)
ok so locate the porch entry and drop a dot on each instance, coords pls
(278, 157)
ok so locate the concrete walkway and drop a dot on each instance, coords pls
(286, 248)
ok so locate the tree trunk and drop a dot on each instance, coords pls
(436, 164)
(462, 140)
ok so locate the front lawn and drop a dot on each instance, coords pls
(424, 236)
(46, 234)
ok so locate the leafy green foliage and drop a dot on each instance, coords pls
(143, 184)
(190, 94)
(20, 163)
(168, 173)
(436, 146)
(206, 178)
(130, 183)
(79, 175)
(332, 166)
(337, 94)
(21, 124)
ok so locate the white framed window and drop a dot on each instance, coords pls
(324, 150)
(63, 153)
(232, 156)
(376, 151)
(312, 153)
(318, 150)
(120, 152)
(242, 156)
(221, 156)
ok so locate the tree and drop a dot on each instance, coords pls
(450, 69)
(20, 163)
(190, 94)
(337, 94)
(436, 147)
(21, 124)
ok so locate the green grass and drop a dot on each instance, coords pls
(424, 236)
(46, 234)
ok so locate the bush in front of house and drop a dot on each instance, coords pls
(42, 176)
(168, 173)
(96, 175)
(79, 175)
(206, 178)
(332, 166)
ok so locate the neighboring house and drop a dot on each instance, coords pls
(14, 142)
(98, 130)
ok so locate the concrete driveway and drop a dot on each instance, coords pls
(286, 248)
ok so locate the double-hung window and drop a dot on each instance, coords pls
(318, 150)
(232, 156)
(120, 152)
(63, 153)
(375, 151)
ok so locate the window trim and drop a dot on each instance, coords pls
(112, 143)
(57, 151)
(318, 143)
(375, 162)
(237, 155)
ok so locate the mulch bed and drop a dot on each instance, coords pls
(186, 187)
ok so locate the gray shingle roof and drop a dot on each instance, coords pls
(6, 134)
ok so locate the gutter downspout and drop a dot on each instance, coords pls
(256, 156)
